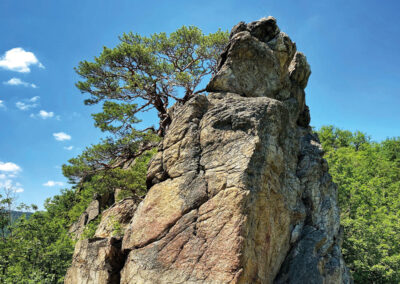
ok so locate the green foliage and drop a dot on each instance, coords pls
(148, 71)
(116, 118)
(108, 154)
(117, 228)
(91, 228)
(5, 217)
(39, 249)
(139, 74)
(102, 177)
(368, 177)
(132, 181)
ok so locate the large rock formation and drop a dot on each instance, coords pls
(239, 191)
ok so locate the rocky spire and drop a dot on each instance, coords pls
(239, 191)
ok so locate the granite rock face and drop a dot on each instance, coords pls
(239, 191)
(92, 211)
(100, 259)
(115, 219)
(96, 260)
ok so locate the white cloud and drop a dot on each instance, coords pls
(18, 190)
(52, 183)
(8, 171)
(9, 167)
(18, 82)
(61, 136)
(19, 60)
(28, 103)
(2, 104)
(45, 115)
(17, 187)
(69, 148)
(34, 99)
(24, 106)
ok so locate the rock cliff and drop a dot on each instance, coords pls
(239, 191)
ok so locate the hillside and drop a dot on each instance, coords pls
(16, 214)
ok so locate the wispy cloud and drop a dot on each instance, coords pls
(28, 103)
(25, 106)
(19, 82)
(34, 99)
(69, 148)
(9, 184)
(45, 115)
(61, 136)
(52, 183)
(2, 104)
(19, 60)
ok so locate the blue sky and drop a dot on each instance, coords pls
(352, 47)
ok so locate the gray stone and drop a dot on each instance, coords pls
(239, 191)
(96, 261)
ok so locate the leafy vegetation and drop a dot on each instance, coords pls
(39, 250)
(139, 74)
(40, 247)
(149, 71)
(368, 176)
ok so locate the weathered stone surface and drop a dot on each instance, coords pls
(100, 259)
(94, 209)
(256, 61)
(115, 219)
(239, 191)
(96, 261)
(91, 213)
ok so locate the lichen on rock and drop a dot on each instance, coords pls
(239, 191)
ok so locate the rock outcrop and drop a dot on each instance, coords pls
(94, 209)
(100, 259)
(239, 191)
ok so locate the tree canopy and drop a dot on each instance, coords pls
(368, 177)
(143, 72)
